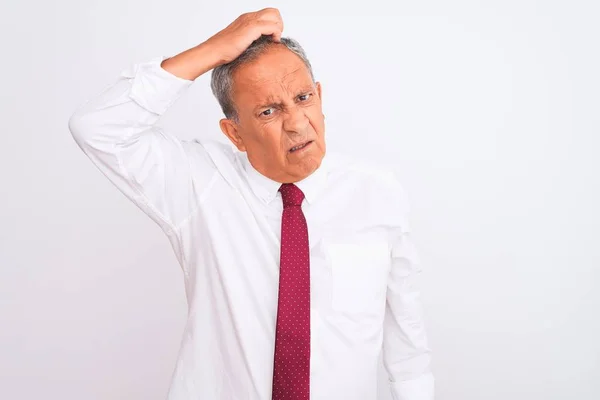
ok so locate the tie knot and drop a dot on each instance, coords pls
(291, 194)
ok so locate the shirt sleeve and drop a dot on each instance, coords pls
(118, 132)
(406, 354)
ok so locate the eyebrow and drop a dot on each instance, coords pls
(271, 102)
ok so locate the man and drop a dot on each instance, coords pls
(298, 266)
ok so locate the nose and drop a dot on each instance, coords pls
(296, 121)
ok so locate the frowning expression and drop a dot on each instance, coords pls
(280, 120)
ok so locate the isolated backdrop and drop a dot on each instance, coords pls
(489, 113)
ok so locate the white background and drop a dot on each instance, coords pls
(490, 114)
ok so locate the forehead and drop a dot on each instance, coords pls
(272, 74)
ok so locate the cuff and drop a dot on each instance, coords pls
(421, 388)
(153, 87)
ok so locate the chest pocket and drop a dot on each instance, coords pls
(359, 276)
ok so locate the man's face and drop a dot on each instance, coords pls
(279, 108)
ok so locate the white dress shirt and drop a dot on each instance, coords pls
(223, 219)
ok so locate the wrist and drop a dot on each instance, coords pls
(193, 62)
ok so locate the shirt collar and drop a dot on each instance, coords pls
(267, 189)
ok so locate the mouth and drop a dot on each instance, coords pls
(300, 146)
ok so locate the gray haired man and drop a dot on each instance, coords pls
(298, 263)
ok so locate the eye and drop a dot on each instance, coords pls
(267, 112)
(304, 97)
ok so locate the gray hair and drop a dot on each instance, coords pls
(221, 81)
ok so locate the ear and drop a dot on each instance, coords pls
(319, 92)
(318, 85)
(230, 129)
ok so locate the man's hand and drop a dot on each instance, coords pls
(226, 45)
(235, 38)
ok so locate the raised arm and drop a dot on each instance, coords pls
(117, 129)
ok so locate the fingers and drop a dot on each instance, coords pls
(271, 15)
(271, 28)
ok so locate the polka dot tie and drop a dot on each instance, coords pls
(292, 338)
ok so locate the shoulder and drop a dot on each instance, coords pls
(212, 147)
(213, 151)
(364, 173)
(371, 187)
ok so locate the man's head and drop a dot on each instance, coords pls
(272, 104)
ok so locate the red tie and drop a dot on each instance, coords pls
(292, 338)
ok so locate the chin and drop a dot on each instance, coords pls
(311, 164)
